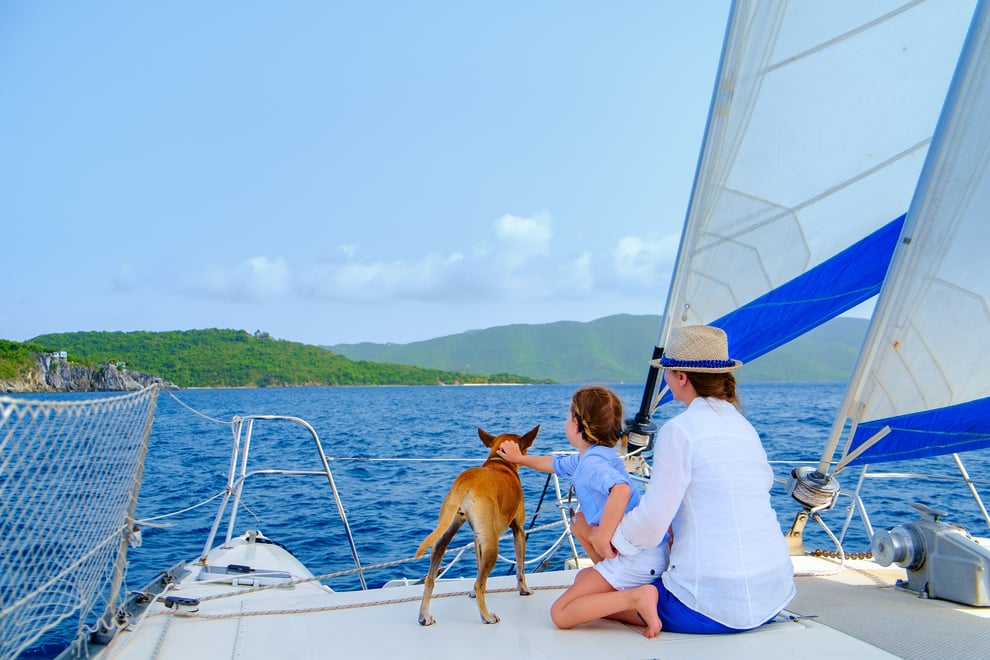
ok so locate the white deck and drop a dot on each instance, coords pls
(855, 613)
(862, 602)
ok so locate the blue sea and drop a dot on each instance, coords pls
(391, 505)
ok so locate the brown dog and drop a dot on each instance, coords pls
(489, 498)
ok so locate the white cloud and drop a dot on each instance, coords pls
(514, 266)
(643, 260)
(522, 262)
(368, 281)
(525, 237)
(263, 278)
(256, 279)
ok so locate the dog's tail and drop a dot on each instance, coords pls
(427, 542)
(448, 511)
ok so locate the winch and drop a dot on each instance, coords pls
(814, 491)
(811, 488)
(942, 560)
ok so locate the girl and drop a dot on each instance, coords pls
(605, 492)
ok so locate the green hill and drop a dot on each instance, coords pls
(611, 349)
(234, 358)
(16, 358)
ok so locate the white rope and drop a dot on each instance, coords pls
(405, 460)
(452, 562)
(552, 549)
(148, 521)
(842, 555)
(196, 412)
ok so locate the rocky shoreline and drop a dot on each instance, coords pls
(51, 374)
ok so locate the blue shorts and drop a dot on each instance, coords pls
(678, 617)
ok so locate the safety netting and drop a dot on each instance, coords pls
(70, 472)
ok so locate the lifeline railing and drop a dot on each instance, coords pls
(237, 475)
(865, 474)
(239, 472)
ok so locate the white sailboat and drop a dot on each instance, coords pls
(821, 121)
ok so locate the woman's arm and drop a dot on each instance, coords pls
(509, 450)
(645, 526)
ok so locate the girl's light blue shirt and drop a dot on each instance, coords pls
(593, 474)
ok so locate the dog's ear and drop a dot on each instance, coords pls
(527, 440)
(486, 437)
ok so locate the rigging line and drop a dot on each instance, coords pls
(539, 505)
(549, 552)
(926, 477)
(428, 459)
(838, 545)
(144, 521)
(405, 460)
(451, 563)
(196, 412)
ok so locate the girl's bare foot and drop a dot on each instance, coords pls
(645, 599)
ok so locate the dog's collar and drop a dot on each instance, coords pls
(497, 458)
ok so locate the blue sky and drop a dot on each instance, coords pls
(334, 172)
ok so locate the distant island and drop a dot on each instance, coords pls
(612, 349)
(211, 358)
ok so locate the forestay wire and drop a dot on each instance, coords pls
(70, 472)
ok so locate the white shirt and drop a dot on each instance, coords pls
(711, 481)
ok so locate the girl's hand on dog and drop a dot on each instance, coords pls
(510, 451)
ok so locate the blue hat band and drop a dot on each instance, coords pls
(671, 363)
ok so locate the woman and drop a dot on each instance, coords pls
(729, 567)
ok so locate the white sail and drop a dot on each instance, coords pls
(820, 122)
(922, 383)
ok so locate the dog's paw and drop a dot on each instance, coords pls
(491, 618)
(525, 591)
(427, 620)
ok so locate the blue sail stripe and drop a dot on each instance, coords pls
(822, 293)
(818, 295)
(959, 428)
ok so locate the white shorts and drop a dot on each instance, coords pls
(628, 571)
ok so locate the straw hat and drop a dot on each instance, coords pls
(697, 348)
